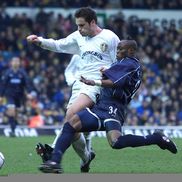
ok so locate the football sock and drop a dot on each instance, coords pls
(135, 141)
(88, 140)
(63, 142)
(57, 136)
(13, 123)
(80, 148)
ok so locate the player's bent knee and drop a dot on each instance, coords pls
(69, 115)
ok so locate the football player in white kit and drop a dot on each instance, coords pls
(97, 49)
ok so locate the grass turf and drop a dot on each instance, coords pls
(21, 158)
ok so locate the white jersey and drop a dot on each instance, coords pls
(95, 52)
(72, 69)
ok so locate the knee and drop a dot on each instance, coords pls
(70, 113)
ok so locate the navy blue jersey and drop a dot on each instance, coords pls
(13, 84)
(126, 76)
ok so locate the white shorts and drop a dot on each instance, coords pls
(81, 88)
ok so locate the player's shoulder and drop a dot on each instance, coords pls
(110, 33)
(76, 34)
(110, 37)
(132, 62)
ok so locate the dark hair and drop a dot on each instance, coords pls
(133, 44)
(87, 13)
(130, 41)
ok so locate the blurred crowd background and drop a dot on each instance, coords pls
(159, 100)
(128, 4)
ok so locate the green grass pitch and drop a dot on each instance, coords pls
(21, 158)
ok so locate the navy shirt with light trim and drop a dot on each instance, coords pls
(13, 84)
(126, 75)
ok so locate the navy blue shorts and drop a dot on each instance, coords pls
(14, 102)
(91, 122)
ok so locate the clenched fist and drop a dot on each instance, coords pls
(33, 39)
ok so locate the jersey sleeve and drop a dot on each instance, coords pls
(114, 40)
(118, 73)
(66, 45)
(72, 69)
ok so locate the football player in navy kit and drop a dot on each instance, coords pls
(14, 85)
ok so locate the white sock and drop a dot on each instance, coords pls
(80, 148)
(88, 140)
(57, 136)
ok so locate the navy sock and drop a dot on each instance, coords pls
(63, 142)
(13, 123)
(135, 141)
(152, 139)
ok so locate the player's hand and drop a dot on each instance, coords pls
(87, 82)
(102, 69)
(33, 39)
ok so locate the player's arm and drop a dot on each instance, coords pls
(102, 83)
(66, 45)
(72, 69)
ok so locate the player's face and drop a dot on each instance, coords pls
(121, 51)
(84, 27)
(15, 63)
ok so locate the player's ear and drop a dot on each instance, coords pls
(92, 22)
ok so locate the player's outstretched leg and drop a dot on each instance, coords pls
(44, 151)
(85, 167)
(50, 167)
(165, 142)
